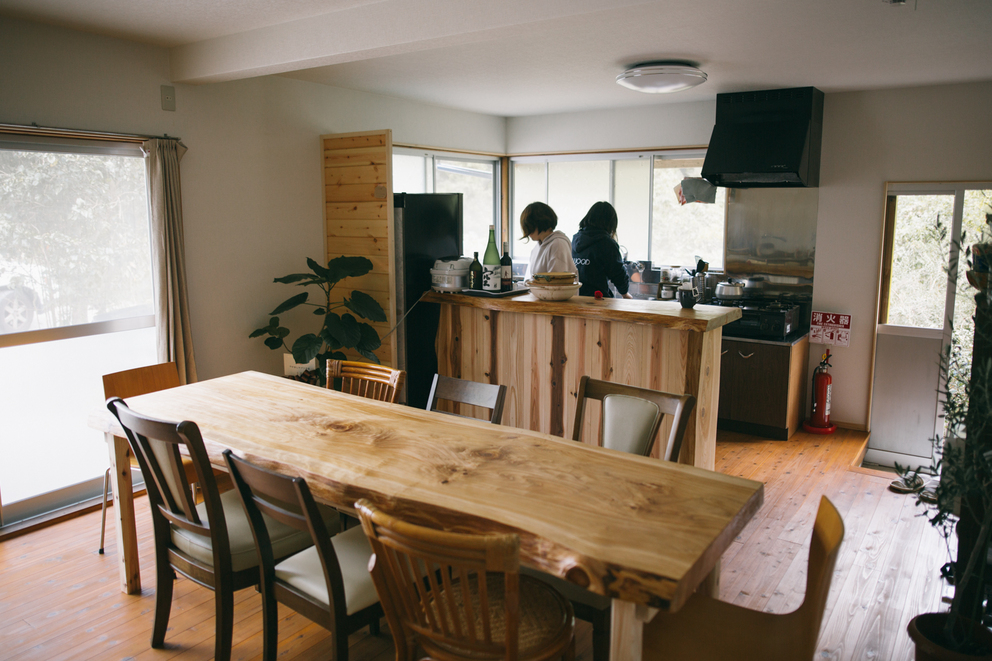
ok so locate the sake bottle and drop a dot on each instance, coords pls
(475, 273)
(490, 264)
(506, 269)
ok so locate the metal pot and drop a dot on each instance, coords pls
(729, 291)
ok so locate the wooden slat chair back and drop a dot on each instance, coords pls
(334, 591)
(131, 383)
(633, 426)
(460, 596)
(366, 379)
(708, 629)
(460, 391)
(209, 543)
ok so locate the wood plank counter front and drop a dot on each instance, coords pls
(540, 350)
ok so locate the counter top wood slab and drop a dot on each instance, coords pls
(630, 527)
(666, 314)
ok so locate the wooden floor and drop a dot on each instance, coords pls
(59, 599)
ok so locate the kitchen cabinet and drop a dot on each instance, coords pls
(763, 386)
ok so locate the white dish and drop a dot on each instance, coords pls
(554, 292)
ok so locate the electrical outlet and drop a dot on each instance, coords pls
(168, 97)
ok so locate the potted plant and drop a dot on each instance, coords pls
(337, 331)
(962, 502)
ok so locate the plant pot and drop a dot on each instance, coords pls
(926, 631)
(292, 368)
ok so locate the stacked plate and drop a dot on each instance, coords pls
(553, 286)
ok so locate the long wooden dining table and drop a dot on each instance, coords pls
(642, 531)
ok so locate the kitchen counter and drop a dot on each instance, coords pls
(541, 349)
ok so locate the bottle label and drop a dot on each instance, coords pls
(490, 277)
(506, 278)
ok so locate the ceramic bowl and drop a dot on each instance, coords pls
(553, 292)
(553, 278)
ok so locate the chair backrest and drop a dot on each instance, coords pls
(828, 533)
(289, 501)
(140, 381)
(473, 393)
(435, 586)
(366, 379)
(630, 425)
(156, 444)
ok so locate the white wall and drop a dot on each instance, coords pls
(920, 134)
(251, 178)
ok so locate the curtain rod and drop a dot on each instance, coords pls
(54, 132)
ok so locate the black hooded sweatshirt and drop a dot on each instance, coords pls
(598, 259)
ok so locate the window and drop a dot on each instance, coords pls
(477, 178)
(76, 301)
(652, 225)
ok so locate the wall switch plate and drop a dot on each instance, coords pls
(168, 97)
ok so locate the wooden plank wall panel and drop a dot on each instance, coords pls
(358, 217)
(531, 351)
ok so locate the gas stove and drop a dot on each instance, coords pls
(763, 319)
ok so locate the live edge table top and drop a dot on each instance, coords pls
(633, 528)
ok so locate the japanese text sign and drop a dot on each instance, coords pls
(830, 328)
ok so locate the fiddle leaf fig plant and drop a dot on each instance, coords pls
(337, 331)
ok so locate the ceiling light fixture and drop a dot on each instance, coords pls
(661, 77)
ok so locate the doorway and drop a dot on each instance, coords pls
(924, 300)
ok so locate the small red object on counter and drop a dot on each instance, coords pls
(598, 295)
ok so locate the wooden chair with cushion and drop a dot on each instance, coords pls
(131, 383)
(329, 582)
(485, 395)
(632, 416)
(210, 543)
(461, 596)
(630, 420)
(706, 628)
(366, 379)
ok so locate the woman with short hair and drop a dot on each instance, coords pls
(553, 252)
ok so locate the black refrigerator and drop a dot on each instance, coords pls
(427, 227)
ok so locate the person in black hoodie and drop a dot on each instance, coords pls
(596, 253)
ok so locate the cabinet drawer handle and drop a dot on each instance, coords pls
(724, 352)
(743, 356)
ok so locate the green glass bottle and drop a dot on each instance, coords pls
(475, 274)
(490, 264)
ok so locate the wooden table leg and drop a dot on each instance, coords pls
(627, 629)
(127, 536)
(711, 584)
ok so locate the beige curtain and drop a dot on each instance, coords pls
(175, 341)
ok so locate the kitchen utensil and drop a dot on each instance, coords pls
(554, 278)
(450, 274)
(643, 289)
(729, 291)
(667, 292)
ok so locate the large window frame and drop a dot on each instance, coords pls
(436, 160)
(27, 139)
(692, 157)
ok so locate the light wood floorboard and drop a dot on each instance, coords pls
(59, 599)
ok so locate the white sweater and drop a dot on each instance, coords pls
(552, 255)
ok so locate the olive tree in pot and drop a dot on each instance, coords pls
(963, 499)
(337, 331)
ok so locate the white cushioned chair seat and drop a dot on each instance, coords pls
(303, 571)
(627, 423)
(569, 590)
(285, 540)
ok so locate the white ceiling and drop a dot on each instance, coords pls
(526, 57)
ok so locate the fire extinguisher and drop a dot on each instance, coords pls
(819, 420)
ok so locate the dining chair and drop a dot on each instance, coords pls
(630, 420)
(131, 383)
(461, 596)
(329, 582)
(473, 393)
(631, 416)
(707, 629)
(366, 379)
(210, 543)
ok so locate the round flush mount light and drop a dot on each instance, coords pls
(661, 77)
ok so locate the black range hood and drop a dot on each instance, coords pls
(766, 139)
